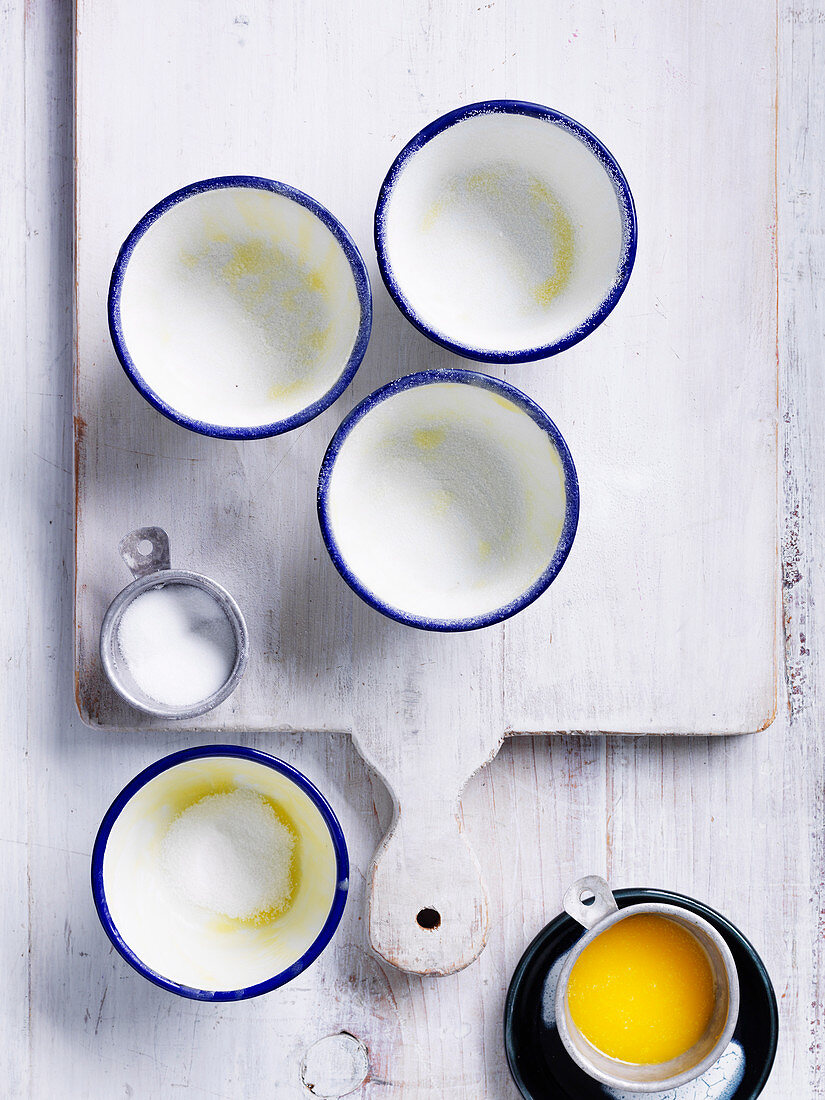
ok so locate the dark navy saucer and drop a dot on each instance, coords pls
(543, 1070)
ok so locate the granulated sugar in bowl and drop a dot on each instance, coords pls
(232, 854)
(220, 873)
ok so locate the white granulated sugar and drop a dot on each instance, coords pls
(177, 643)
(239, 307)
(447, 501)
(231, 854)
(504, 232)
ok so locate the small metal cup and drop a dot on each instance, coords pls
(151, 568)
(597, 916)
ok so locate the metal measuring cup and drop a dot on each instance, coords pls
(600, 912)
(146, 553)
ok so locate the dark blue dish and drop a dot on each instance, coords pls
(536, 413)
(348, 369)
(543, 1070)
(341, 859)
(623, 195)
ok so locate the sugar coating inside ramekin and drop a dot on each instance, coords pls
(504, 232)
(446, 501)
(239, 307)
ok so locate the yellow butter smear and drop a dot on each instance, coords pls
(265, 916)
(510, 204)
(428, 439)
(643, 991)
(560, 230)
(277, 285)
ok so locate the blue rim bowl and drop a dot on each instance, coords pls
(623, 196)
(536, 414)
(341, 859)
(362, 286)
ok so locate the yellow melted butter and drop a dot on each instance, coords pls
(544, 205)
(261, 260)
(442, 500)
(432, 214)
(485, 183)
(560, 228)
(503, 402)
(427, 439)
(287, 389)
(643, 991)
(190, 793)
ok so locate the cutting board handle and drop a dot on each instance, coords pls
(428, 909)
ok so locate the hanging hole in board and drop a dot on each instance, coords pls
(144, 547)
(428, 918)
(587, 897)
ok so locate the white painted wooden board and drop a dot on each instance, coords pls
(663, 619)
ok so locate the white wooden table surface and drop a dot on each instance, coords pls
(735, 821)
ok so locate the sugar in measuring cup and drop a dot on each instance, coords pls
(173, 643)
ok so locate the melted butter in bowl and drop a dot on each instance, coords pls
(643, 991)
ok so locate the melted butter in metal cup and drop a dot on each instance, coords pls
(590, 902)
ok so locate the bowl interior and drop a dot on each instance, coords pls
(446, 503)
(506, 232)
(183, 942)
(238, 307)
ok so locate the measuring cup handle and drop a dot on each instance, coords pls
(141, 562)
(593, 912)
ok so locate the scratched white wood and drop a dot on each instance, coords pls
(669, 407)
(664, 617)
(739, 822)
(15, 510)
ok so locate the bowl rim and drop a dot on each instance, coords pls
(537, 415)
(623, 195)
(362, 287)
(330, 820)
